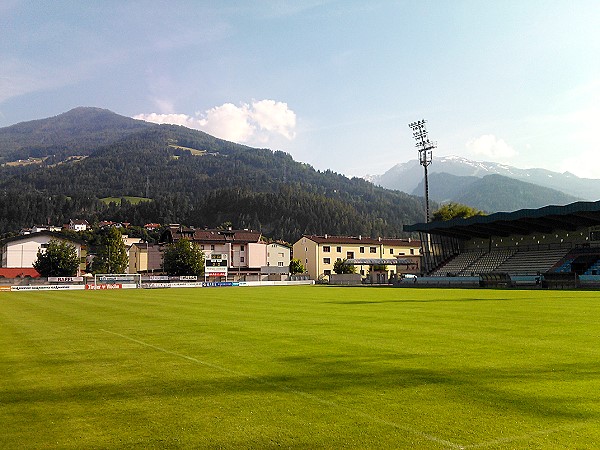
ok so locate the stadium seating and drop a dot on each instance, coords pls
(594, 269)
(457, 264)
(532, 262)
(489, 262)
(511, 261)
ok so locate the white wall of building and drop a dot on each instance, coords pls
(23, 253)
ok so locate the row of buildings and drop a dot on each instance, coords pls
(235, 254)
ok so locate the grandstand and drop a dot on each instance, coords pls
(528, 242)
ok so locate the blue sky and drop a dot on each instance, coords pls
(334, 83)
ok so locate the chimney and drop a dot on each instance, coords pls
(325, 235)
(360, 237)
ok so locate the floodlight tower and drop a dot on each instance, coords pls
(425, 147)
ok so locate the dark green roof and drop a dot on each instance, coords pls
(524, 221)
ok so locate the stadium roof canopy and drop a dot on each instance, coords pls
(524, 221)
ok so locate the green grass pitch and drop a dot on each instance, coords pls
(300, 367)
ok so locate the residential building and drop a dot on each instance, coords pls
(78, 225)
(318, 254)
(278, 262)
(278, 255)
(246, 252)
(145, 258)
(129, 241)
(21, 251)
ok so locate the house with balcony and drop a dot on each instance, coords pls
(318, 254)
(245, 251)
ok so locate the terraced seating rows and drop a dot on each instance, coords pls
(457, 264)
(532, 261)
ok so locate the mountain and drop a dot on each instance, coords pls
(76, 132)
(186, 175)
(406, 176)
(492, 193)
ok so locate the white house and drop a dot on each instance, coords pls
(278, 255)
(21, 251)
(78, 225)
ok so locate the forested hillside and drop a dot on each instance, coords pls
(190, 178)
(492, 193)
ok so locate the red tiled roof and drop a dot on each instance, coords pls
(18, 272)
(363, 240)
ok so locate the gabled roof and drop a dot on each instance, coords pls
(361, 240)
(79, 222)
(53, 234)
(524, 221)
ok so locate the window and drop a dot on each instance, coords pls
(327, 272)
(362, 249)
(241, 248)
(391, 251)
(412, 251)
(280, 263)
(339, 249)
(212, 247)
(350, 255)
(372, 249)
(326, 248)
(202, 247)
(241, 259)
(326, 261)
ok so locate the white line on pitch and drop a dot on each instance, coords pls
(526, 436)
(294, 391)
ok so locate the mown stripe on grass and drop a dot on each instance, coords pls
(312, 397)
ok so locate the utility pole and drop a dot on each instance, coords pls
(425, 147)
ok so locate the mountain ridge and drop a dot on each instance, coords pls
(406, 176)
(191, 178)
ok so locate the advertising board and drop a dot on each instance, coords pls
(65, 279)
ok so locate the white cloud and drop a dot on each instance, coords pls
(275, 117)
(228, 122)
(489, 146)
(256, 122)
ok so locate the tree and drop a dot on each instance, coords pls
(296, 266)
(183, 258)
(455, 210)
(111, 256)
(59, 260)
(339, 267)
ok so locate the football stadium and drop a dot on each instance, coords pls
(554, 247)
